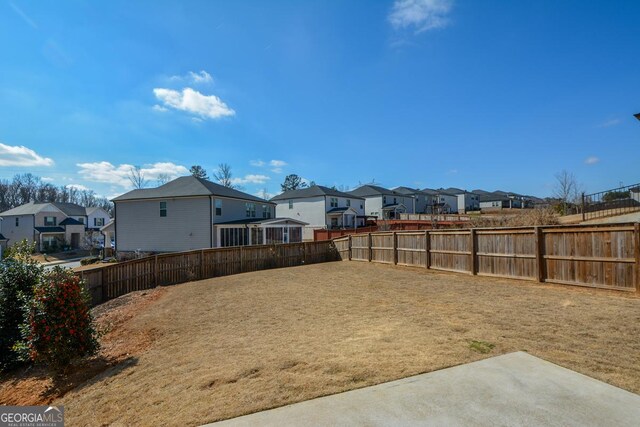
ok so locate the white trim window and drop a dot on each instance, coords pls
(218, 207)
(99, 222)
(250, 210)
(50, 221)
(290, 204)
(163, 209)
(334, 202)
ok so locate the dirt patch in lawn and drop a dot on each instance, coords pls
(234, 345)
(120, 345)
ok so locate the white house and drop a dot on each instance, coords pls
(53, 225)
(467, 201)
(193, 213)
(421, 201)
(442, 201)
(383, 203)
(321, 207)
(499, 200)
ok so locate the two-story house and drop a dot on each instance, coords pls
(442, 202)
(321, 207)
(383, 203)
(53, 225)
(193, 213)
(467, 201)
(421, 201)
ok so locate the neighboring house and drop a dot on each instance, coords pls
(467, 201)
(321, 207)
(383, 203)
(635, 193)
(193, 213)
(53, 225)
(421, 201)
(442, 201)
(500, 200)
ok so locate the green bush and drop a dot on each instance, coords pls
(58, 327)
(18, 277)
(89, 260)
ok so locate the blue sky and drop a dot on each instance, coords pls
(426, 93)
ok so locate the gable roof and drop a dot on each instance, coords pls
(26, 209)
(373, 190)
(313, 191)
(70, 221)
(187, 186)
(440, 191)
(31, 208)
(407, 191)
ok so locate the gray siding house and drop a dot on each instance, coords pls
(383, 203)
(54, 225)
(193, 213)
(321, 207)
(421, 201)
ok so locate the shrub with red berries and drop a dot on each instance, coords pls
(59, 327)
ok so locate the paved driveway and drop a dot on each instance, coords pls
(515, 389)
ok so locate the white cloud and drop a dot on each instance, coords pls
(193, 77)
(423, 15)
(276, 170)
(18, 155)
(251, 179)
(192, 101)
(257, 163)
(264, 194)
(159, 108)
(278, 163)
(610, 122)
(118, 175)
(592, 160)
(201, 77)
(79, 187)
(47, 179)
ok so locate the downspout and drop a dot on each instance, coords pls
(210, 221)
(115, 229)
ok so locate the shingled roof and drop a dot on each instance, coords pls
(187, 186)
(313, 191)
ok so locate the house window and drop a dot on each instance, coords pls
(266, 211)
(250, 210)
(17, 222)
(290, 204)
(361, 206)
(348, 202)
(81, 220)
(395, 201)
(334, 202)
(163, 209)
(99, 222)
(218, 207)
(49, 221)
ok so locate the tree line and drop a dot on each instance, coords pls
(25, 188)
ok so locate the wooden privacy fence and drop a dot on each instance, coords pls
(606, 256)
(108, 282)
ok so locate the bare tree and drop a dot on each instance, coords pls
(566, 190)
(224, 176)
(136, 177)
(163, 178)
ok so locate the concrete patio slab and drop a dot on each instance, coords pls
(515, 389)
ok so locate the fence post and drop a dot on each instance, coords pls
(427, 249)
(202, 264)
(583, 215)
(349, 253)
(155, 269)
(472, 237)
(539, 240)
(636, 235)
(395, 248)
(369, 244)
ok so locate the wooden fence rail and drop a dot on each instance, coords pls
(108, 282)
(606, 256)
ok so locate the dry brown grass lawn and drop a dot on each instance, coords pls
(238, 344)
